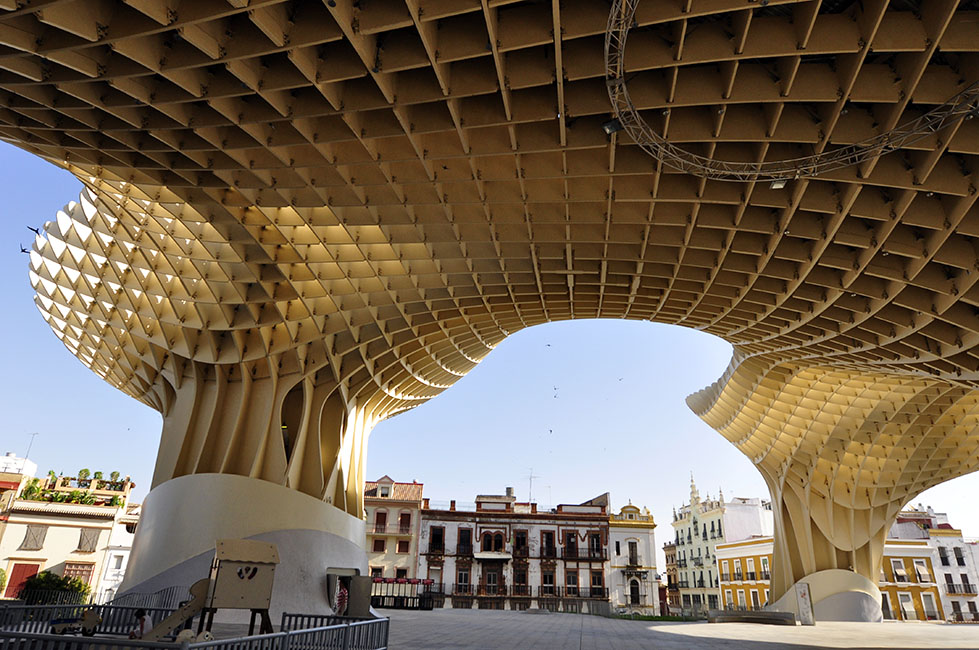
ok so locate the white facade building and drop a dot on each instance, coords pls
(698, 527)
(11, 463)
(117, 550)
(392, 511)
(632, 579)
(952, 556)
(508, 555)
(45, 532)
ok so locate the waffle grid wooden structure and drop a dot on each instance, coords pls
(303, 217)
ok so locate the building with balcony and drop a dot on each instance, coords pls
(698, 527)
(928, 571)
(632, 579)
(908, 584)
(393, 522)
(673, 603)
(79, 527)
(505, 554)
(745, 572)
(955, 568)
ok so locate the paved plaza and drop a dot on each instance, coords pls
(478, 630)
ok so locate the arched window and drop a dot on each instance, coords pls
(498, 542)
(487, 542)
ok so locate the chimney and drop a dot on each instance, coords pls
(425, 503)
(533, 507)
(452, 504)
(509, 491)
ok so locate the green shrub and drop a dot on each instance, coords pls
(47, 581)
(3, 580)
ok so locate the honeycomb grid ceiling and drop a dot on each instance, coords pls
(375, 193)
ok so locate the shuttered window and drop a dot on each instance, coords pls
(34, 539)
(81, 570)
(88, 540)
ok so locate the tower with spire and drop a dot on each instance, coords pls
(698, 527)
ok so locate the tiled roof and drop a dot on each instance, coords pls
(399, 491)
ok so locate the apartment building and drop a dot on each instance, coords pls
(746, 575)
(699, 526)
(505, 554)
(81, 527)
(673, 603)
(393, 517)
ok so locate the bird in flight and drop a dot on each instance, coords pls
(24, 250)
(36, 231)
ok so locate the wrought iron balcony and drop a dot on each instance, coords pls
(586, 554)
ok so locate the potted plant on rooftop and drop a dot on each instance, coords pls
(83, 475)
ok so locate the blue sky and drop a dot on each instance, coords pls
(590, 406)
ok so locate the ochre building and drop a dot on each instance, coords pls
(300, 218)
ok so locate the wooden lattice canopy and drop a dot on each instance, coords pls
(307, 216)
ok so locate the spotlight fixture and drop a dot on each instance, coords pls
(331, 3)
(612, 126)
(779, 183)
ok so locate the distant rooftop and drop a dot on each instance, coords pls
(387, 488)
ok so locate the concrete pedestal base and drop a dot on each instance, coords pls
(183, 517)
(837, 595)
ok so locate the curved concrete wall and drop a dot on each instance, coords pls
(183, 518)
(837, 595)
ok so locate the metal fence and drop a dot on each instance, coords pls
(330, 633)
(52, 597)
(169, 597)
(37, 619)
(292, 622)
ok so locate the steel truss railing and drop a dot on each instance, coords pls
(963, 105)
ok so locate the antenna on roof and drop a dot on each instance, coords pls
(530, 490)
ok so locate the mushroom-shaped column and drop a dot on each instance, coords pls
(842, 452)
(272, 342)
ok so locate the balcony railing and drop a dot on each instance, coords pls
(910, 615)
(964, 617)
(521, 590)
(697, 561)
(491, 590)
(464, 549)
(570, 591)
(682, 564)
(391, 529)
(548, 551)
(963, 588)
(521, 551)
(462, 589)
(698, 584)
(725, 577)
(588, 554)
(683, 584)
(766, 575)
(750, 575)
(738, 575)
(633, 560)
(436, 549)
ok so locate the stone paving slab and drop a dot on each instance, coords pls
(451, 629)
